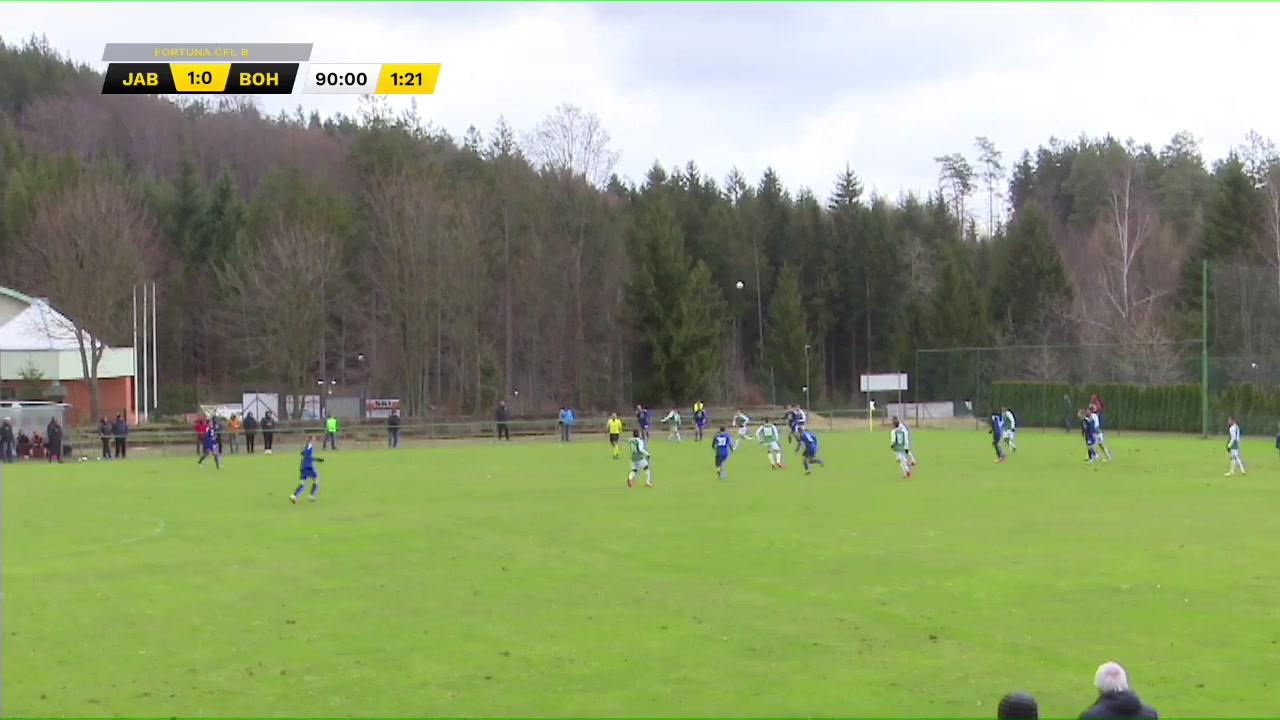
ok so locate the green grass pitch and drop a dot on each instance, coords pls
(526, 579)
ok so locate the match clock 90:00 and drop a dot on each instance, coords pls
(347, 79)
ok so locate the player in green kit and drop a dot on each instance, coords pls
(901, 447)
(639, 460)
(767, 433)
(741, 421)
(673, 419)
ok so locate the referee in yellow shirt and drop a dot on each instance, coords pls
(615, 432)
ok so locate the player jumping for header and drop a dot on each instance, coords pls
(308, 472)
(801, 419)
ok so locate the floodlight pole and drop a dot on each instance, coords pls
(807, 407)
(1204, 348)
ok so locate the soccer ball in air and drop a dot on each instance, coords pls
(741, 285)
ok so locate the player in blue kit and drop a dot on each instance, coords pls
(798, 420)
(308, 471)
(209, 446)
(699, 420)
(723, 445)
(1086, 431)
(810, 456)
(997, 434)
(642, 421)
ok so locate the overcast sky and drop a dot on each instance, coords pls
(805, 88)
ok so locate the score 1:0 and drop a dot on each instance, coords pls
(408, 78)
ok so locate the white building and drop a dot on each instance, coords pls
(36, 337)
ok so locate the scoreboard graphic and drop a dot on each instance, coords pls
(253, 69)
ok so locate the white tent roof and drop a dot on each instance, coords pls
(39, 328)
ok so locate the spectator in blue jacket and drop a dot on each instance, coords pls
(566, 423)
(121, 431)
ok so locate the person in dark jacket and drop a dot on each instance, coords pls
(8, 443)
(1068, 411)
(268, 432)
(503, 416)
(121, 431)
(393, 429)
(106, 433)
(53, 440)
(1115, 698)
(250, 432)
(1018, 706)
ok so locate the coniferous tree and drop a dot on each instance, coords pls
(677, 314)
(1031, 280)
(787, 335)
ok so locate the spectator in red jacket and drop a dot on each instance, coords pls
(202, 427)
(1096, 402)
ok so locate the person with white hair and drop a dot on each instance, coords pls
(1115, 698)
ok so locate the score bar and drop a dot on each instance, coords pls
(276, 78)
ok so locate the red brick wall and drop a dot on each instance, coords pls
(116, 394)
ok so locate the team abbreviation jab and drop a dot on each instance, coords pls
(258, 69)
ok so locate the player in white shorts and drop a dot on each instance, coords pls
(906, 435)
(1010, 428)
(639, 460)
(768, 434)
(1098, 440)
(1233, 448)
(899, 444)
(742, 422)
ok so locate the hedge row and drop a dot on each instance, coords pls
(1165, 408)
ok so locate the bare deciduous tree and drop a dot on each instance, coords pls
(992, 174)
(92, 244)
(573, 141)
(572, 147)
(281, 316)
(1131, 225)
(1262, 162)
(79, 125)
(409, 219)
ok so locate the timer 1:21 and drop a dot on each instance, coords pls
(408, 79)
